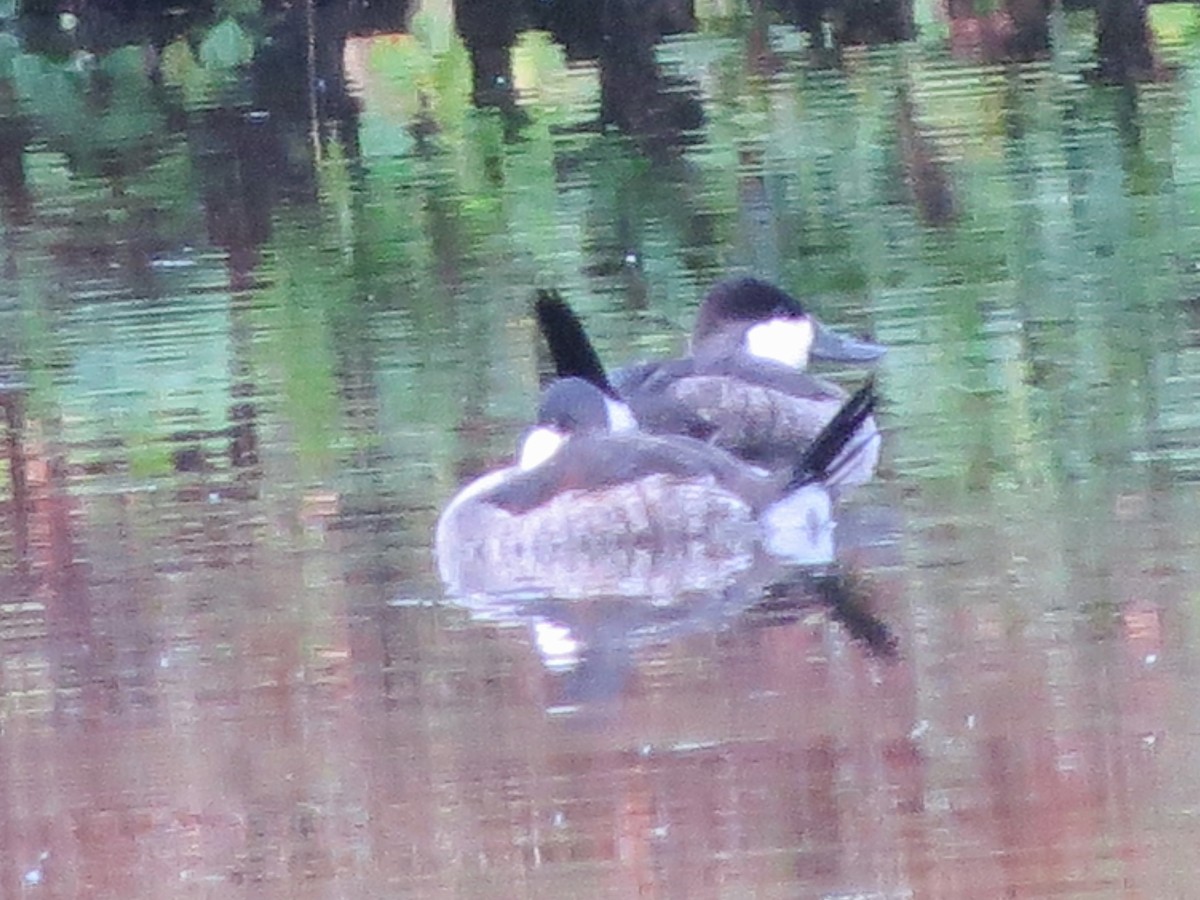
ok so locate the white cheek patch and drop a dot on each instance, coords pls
(785, 341)
(538, 446)
(620, 416)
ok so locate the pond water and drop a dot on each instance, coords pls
(252, 339)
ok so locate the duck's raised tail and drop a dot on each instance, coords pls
(573, 354)
(839, 442)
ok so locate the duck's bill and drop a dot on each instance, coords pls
(834, 347)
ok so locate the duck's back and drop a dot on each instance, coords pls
(761, 412)
(599, 499)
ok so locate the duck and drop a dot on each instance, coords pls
(581, 494)
(744, 385)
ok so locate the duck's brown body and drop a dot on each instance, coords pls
(761, 412)
(634, 496)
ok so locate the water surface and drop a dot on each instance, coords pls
(250, 344)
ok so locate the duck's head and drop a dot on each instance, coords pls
(770, 323)
(569, 407)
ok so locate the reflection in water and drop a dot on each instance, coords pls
(256, 356)
(592, 641)
(929, 181)
(12, 403)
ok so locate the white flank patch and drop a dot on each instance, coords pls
(539, 446)
(785, 341)
(560, 650)
(620, 416)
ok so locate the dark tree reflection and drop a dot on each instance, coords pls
(1123, 41)
(835, 23)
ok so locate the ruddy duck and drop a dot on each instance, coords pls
(581, 493)
(743, 387)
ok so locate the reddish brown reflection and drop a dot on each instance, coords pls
(264, 726)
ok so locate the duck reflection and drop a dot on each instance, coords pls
(593, 644)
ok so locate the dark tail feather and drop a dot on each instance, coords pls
(574, 356)
(831, 449)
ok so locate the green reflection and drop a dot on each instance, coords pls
(1020, 235)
